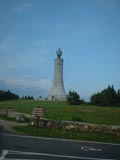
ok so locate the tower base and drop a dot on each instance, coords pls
(53, 97)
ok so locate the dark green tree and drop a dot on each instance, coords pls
(7, 95)
(118, 97)
(28, 97)
(73, 98)
(107, 97)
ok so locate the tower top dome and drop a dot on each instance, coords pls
(59, 52)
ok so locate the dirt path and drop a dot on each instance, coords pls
(8, 124)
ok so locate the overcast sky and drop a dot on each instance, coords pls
(87, 31)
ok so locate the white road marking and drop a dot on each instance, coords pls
(6, 152)
(3, 155)
(85, 148)
(45, 154)
(57, 139)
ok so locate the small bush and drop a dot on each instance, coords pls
(5, 117)
(76, 118)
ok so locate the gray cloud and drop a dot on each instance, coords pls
(7, 43)
(24, 87)
(23, 6)
(2, 85)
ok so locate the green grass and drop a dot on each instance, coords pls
(57, 133)
(62, 111)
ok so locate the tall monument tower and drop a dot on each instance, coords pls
(58, 92)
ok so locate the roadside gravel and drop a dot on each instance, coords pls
(8, 125)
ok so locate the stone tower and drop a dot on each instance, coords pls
(58, 92)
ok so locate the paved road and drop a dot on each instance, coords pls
(26, 147)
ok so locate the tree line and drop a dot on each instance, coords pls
(107, 97)
(28, 97)
(8, 95)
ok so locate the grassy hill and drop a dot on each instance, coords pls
(62, 111)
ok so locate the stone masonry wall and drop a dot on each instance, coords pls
(68, 125)
(78, 126)
(12, 114)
